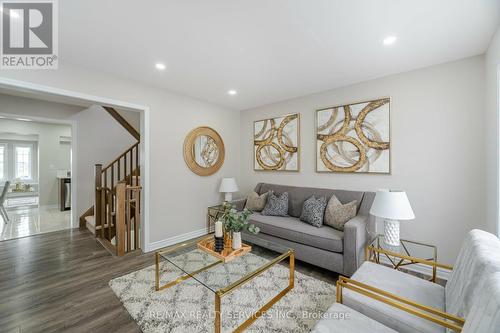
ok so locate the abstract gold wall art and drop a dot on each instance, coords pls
(276, 143)
(354, 138)
(204, 151)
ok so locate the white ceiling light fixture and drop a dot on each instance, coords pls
(389, 40)
(232, 92)
(160, 66)
(23, 119)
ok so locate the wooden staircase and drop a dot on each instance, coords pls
(115, 218)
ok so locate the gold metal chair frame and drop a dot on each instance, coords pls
(423, 311)
(225, 291)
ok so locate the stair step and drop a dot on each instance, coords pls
(132, 240)
(90, 219)
(91, 223)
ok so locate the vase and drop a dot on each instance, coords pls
(236, 240)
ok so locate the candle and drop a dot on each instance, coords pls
(218, 229)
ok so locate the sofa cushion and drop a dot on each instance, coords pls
(401, 284)
(337, 214)
(277, 204)
(256, 202)
(293, 229)
(297, 195)
(313, 211)
(478, 257)
(341, 319)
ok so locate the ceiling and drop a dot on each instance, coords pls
(268, 50)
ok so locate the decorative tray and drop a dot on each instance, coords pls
(227, 254)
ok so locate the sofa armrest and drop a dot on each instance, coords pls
(239, 203)
(355, 238)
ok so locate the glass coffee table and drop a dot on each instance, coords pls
(407, 253)
(207, 269)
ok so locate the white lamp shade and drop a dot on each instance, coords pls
(228, 185)
(392, 205)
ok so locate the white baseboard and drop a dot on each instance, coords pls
(175, 240)
(422, 269)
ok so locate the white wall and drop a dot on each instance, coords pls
(51, 156)
(36, 108)
(437, 148)
(178, 198)
(491, 140)
(133, 118)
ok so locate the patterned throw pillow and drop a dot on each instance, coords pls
(337, 214)
(313, 211)
(255, 202)
(277, 204)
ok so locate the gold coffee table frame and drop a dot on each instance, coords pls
(233, 286)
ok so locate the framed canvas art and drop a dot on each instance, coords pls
(354, 138)
(276, 143)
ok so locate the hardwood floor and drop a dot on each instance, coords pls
(58, 282)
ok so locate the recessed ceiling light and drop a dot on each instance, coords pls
(389, 40)
(160, 66)
(22, 119)
(232, 92)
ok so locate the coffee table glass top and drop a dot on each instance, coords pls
(211, 271)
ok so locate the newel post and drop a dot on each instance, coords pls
(121, 188)
(98, 199)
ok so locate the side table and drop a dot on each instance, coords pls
(406, 254)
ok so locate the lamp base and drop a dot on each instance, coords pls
(391, 232)
(228, 197)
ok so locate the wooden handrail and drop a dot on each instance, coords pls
(119, 118)
(135, 145)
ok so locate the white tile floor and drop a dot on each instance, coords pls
(34, 220)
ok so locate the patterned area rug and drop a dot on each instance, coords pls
(189, 306)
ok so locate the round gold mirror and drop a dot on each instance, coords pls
(204, 151)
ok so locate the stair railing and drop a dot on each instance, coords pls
(128, 217)
(123, 172)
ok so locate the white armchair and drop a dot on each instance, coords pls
(406, 303)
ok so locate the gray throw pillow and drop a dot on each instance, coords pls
(256, 202)
(313, 211)
(277, 204)
(337, 214)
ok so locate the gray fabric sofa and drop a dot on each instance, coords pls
(338, 251)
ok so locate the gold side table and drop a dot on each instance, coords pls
(406, 254)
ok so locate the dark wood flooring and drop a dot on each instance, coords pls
(58, 282)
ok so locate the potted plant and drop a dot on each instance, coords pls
(235, 222)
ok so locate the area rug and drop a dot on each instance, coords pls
(189, 306)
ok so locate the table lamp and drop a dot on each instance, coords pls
(228, 186)
(392, 206)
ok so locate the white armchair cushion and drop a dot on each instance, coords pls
(403, 285)
(341, 319)
(484, 314)
(479, 256)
